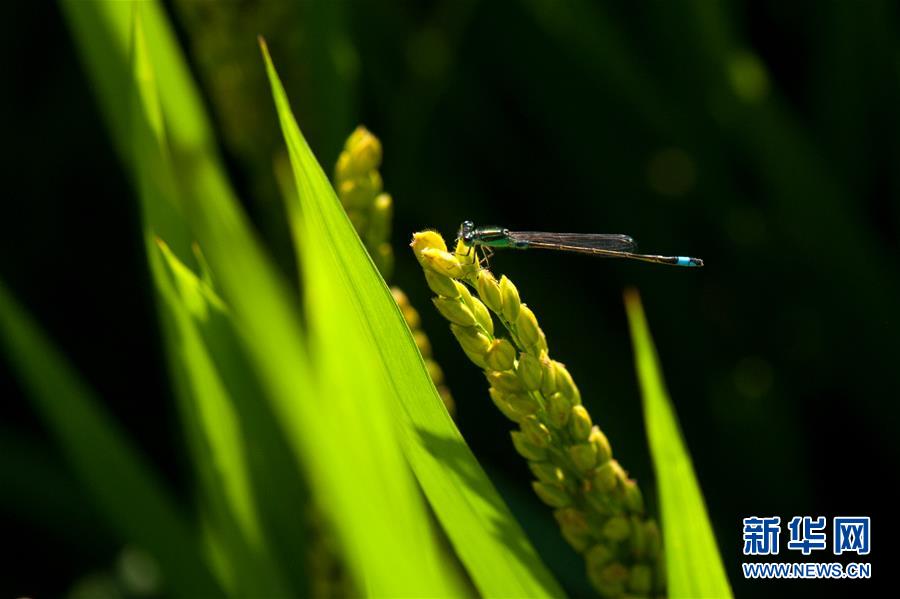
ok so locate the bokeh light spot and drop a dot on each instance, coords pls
(345, 58)
(749, 79)
(428, 54)
(138, 572)
(671, 172)
(753, 377)
(746, 226)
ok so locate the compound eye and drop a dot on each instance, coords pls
(467, 231)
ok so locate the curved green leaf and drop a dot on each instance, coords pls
(363, 338)
(350, 455)
(216, 437)
(693, 564)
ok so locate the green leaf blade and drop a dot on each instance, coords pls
(208, 414)
(484, 534)
(392, 544)
(693, 564)
(271, 336)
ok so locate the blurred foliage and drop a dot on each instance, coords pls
(359, 188)
(761, 136)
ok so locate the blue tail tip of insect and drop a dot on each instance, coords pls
(688, 261)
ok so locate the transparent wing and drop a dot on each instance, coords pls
(595, 241)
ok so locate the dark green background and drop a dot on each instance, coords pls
(761, 136)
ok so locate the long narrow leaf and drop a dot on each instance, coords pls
(354, 312)
(215, 435)
(693, 564)
(278, 493)
(122, 484)
(102, 32)
(393, 545)
(205, 199)
(326, 441)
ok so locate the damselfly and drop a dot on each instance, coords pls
(595, 244)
